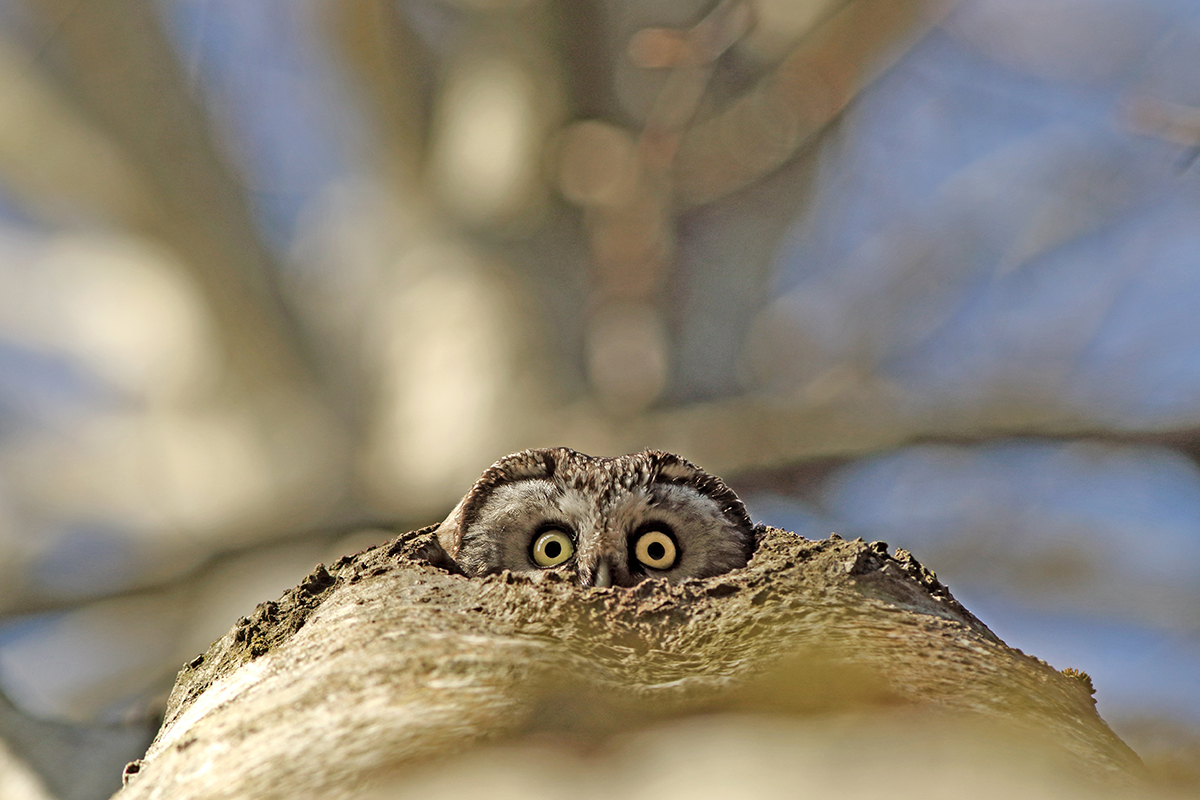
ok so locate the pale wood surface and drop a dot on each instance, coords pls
(386, 661)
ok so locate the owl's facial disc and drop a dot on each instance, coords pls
(605, 522)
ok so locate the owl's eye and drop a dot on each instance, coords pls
(656, 549)
(552, 547)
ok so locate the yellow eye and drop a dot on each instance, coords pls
(552, 548)
(656, 549)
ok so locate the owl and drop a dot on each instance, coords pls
(600, 521)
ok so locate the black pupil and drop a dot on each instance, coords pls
(553, 549)
(656, 551)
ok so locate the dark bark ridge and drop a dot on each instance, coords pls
(389, 658)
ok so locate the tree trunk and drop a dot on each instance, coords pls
(368, 673)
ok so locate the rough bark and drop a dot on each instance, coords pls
(389, 660)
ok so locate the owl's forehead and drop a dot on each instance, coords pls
(601, 481)
(572, 492)
(569, 468)
(605, 476)
(601, 485)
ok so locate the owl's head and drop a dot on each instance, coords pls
(603, 521)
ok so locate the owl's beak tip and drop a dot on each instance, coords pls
(603, 577)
